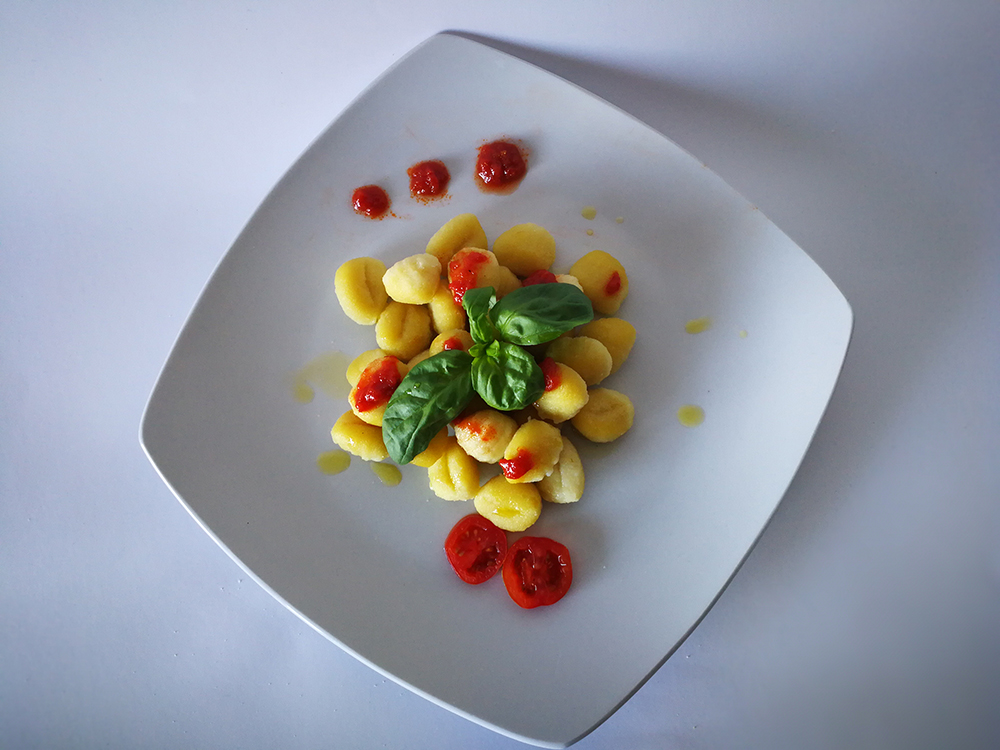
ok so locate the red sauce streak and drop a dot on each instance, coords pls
(500, 167)
(552, 373)
(517, 467)
(428, 180)
(477, 428)
(613, 285)
(453, 343)
(462, 272)
(371, 201)
(540, 277)
(377, 384)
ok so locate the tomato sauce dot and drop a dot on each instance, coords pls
(517, 467)
(428, 180)
(462, 273)
(540, 276)
(613, 285)
(377, 384)
(500, 166)
(371, 201)
(453, 343)
(552, 373)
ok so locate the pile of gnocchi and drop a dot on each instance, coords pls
(416, 309)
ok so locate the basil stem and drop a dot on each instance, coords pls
(507, 377)
(540, 313)
(432, 394)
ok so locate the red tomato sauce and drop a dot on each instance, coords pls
(552, 373)
(613, 285)
(428, 180)
(453, 343)
(371, 201)
(477, 428)
(377, 384)
(462, 273)
(539, 277)
(517, 467)
(500, 167)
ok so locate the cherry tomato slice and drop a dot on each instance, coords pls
(537, 572)
(476, 548)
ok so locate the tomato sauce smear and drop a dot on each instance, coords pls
(519, 465)
(552, 373)
(428, 180)
(377, 384)
(463, 272)
(541, 276)
(371, 201)
(614, 284)
(500, 166)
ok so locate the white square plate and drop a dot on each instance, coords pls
(669, 512)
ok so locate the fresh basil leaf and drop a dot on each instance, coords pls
(477, 303)
(540, 313)
(508, 380)
(432, 394)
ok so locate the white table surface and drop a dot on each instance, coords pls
(136, 139)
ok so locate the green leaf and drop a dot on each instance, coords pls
(432, 394)
(477, 303)
(540, 313)
(508, 380)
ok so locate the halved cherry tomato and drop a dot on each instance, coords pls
(476, 548)
(537, 571)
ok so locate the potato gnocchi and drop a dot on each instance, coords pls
(415, 308)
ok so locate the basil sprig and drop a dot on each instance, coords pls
(496, 367)
(432, 394)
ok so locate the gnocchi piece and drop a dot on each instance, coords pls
(360, 291)
(457, 338)
(603, 279)
(455, 475)
(587, 356)
(607, 416)
(403, 330)
(433, 451)
(565, 484)
(525, 248)
(413, 280)
(362, 361)
(462, 231)
(565, 392)
(532, 452)
(446, 313)
(411, 363)
(617, 335)
(512, 507)
(508, 282)
(472, 268)
(371, 394)
(484, 434)
(359, 438)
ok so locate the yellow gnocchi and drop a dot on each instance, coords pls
(485, 434)
(512, 507)
(413, 280)
(532, 452)
(462, 231)
(566, 398)
(607, 416)
(457, 338)
(586, 356)
(359, 438)
(603, 279)
(455, 475)
(359, 363)
(369, 404)
(617, 335)
(360, 291)
(446, 314)
(525, 248)
(433, 451)
(403, 330)
(566, 482)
